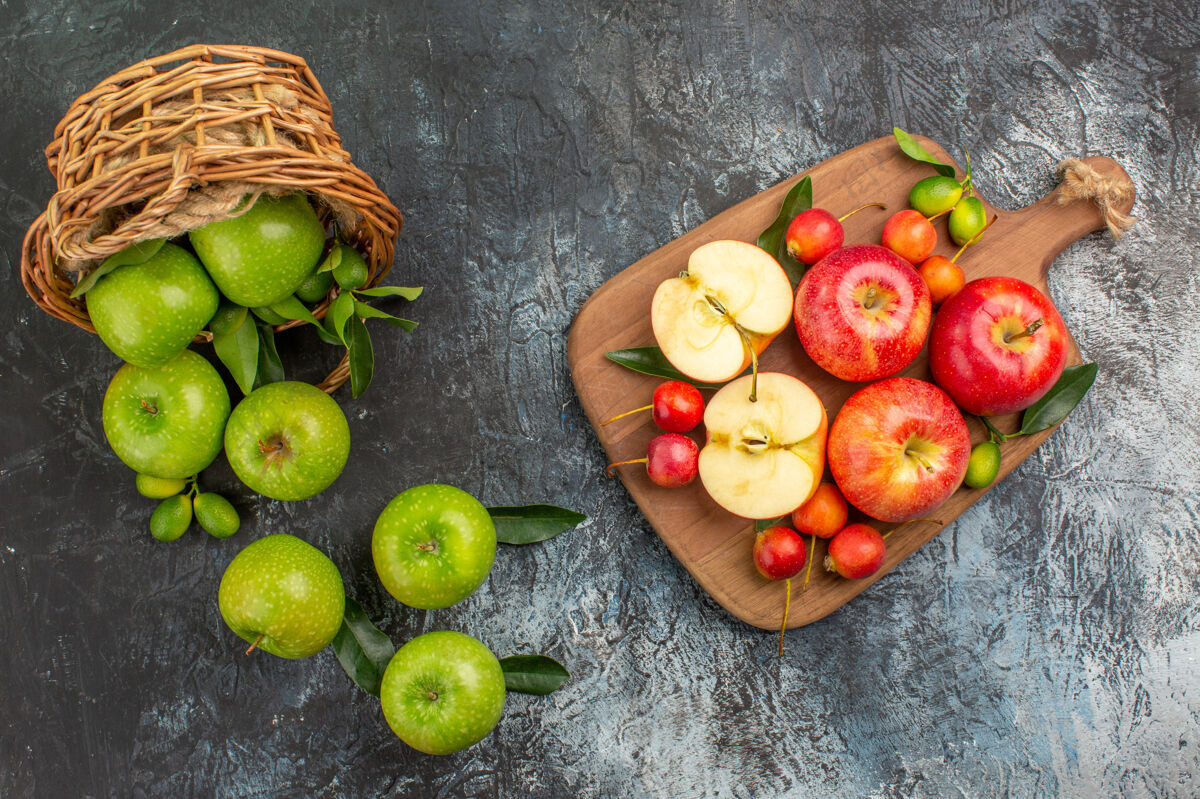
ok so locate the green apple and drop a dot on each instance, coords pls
(433, 545)
(284, 596)
(287, 440)
(261, 256)
(148, 313)
(166, 421)
(442, 691)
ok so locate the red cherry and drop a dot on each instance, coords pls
(678, 406)
(813, 234)
(672, 460)
(779, 553)
(910, 235)
(857, 551)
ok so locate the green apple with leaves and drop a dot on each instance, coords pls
(442, 692)
(148, 311)
(433, 545)
(287, 440)
(166, 421)
(284, 596)
(259, 257)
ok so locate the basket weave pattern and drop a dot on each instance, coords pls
(177, 141)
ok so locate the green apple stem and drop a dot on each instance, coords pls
(1026, 333)
(812, 550)
(787, 604)
(907, 523)
(844, 217)
(611, 466)
(973, 239)
(149, 408)
(628, 413)
(256, 642)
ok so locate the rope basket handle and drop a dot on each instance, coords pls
(173, 142)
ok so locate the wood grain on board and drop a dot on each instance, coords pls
(714, 545)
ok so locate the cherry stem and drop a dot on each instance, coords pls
(939, 213)
(973, 239)
(256, 642)
(1026, 333)
(843, 217)
(628, 413)
(812, 549)
(624, 463)
(912, 521)
(787, 604)
(741, 331)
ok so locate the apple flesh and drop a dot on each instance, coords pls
(862, 313)
(731, 303)
(997, 346)
(898, 448)
(764, 457)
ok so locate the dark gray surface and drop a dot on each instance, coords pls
(1046, 644)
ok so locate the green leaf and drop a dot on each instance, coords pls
(651, 361)
(766, 524)
(332, 260)
(362, 649)
(238, 350)
(137, 253)
(293, 308)
(528, 524)
(340, 311)
(365, 311)
(1059, 400)
(362, 356)
(269, 316)
(392, 291)
(533, 674)
(270, 367)
(798, 199)
(913, 149)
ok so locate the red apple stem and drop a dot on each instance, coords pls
(812, 549)
(919, 458)
(628, 413)
(611, 466)
(787, 604)
(256, 642)
(844, 217)
(1026, 333)
(911, 521)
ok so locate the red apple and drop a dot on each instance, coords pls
(862, 313)
(997, 346)
(898, 449)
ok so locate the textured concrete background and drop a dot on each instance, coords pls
(1044, 645)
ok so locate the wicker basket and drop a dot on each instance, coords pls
(176, 141)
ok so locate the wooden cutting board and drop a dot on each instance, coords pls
(714, 545)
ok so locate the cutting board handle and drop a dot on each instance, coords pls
(1056, 220)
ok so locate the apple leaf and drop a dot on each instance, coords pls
(798, 199)
(270, 367)
(340, 311)
(362, 649)
(365, 311)
(237, 348)
(293, 308)
(767, 524)
(362, 356)
(332, 261)
(651, 361)
(1059, 400)
(528, 524)
(913, 149)
(533, 674)
(408, 293)
(136, 253)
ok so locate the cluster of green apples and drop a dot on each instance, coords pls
(167, 413)
(433, 546)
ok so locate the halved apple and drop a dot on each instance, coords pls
(734, 298)
(764, 457)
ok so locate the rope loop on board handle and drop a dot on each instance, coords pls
(1079, 181)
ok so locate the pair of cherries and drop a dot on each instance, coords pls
(672, 459)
